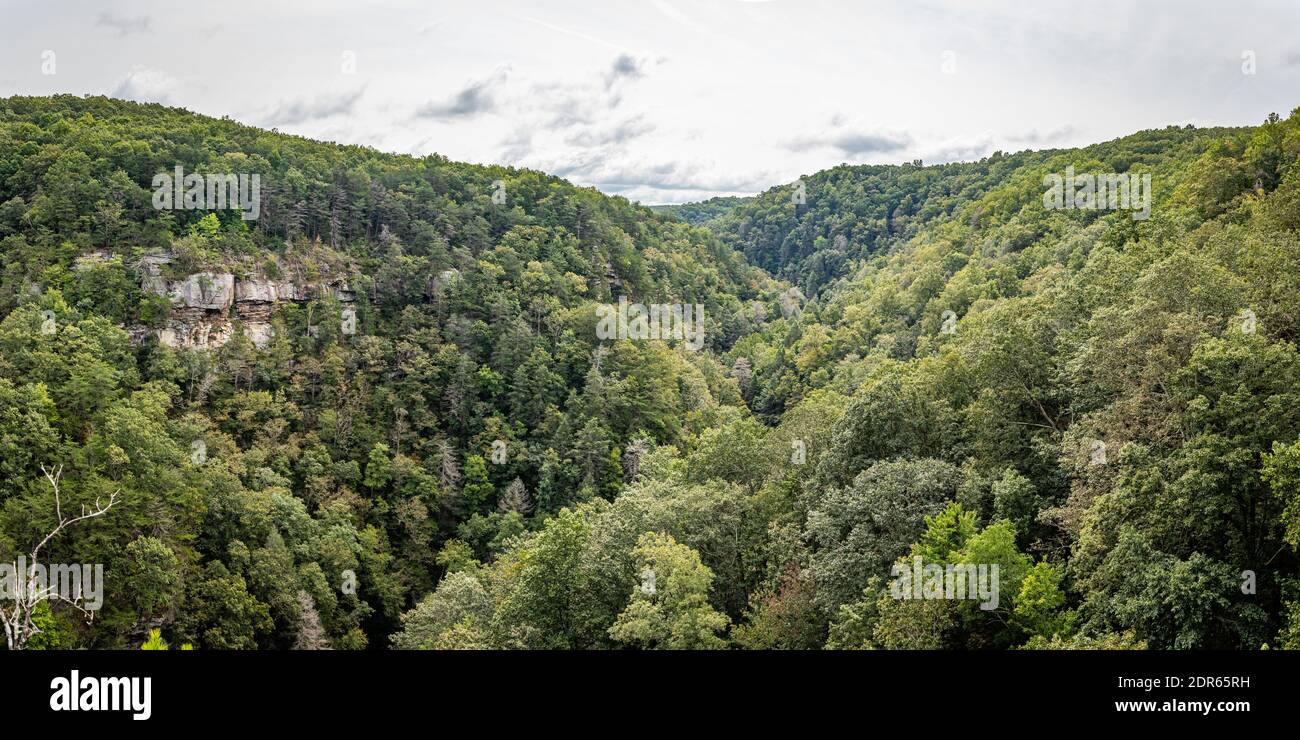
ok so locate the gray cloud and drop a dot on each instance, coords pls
(625, 67)
(851, 143)
(664, 175)
(562, 107)
(968, 150)
(618, 134)
(517, 147)
(858, 144)
(1034, 136)
(584, 103)
(479, 96)
(301, 110)
(123, 24)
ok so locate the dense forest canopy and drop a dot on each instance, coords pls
(703, 211)
(381, 414)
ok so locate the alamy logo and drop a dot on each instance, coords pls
(666, 321)
(1092, 192)
(930, 581)
(73, 582)
(94, 694)
(213, 192)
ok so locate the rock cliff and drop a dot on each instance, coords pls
(207, 307)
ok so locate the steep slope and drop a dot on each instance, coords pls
(814, 234)
(395, 352)
(1114, 394)
(1090, 412)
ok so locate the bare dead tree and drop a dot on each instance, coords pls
(516, 499)
(28, 593)
(448, 469)
(632, 455)
(311, 634)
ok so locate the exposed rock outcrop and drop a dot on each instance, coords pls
(211, 291)
(263, 290)
(207, 306)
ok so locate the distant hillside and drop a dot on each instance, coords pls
(698, 213)
(852, 212)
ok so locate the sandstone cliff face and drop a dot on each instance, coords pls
(211, 291)
(208, 306)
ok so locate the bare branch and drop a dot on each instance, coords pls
(19, 624)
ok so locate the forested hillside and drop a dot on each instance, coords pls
(1108, 406)
(326, 456)
(703, 211)
(862, 211)
(382, 414)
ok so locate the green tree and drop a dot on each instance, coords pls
(379, 468)
(221, 614)
(477, 489)
(670, 607)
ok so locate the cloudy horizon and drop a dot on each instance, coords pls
(671, 101)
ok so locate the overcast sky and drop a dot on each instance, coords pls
(674, 100)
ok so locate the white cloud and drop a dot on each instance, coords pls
(145, 85)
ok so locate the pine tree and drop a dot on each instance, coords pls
(550, 486)
(155, 641)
